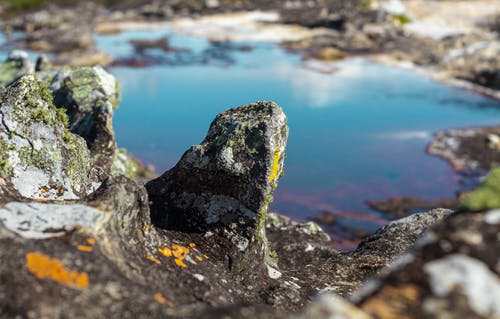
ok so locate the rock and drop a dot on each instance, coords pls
(400, 207)
(452, 272)
(41, 220)
(467, 149)
(227, 181)
(17, 64)
(90, 95)
(127, 165)
(329, 54)
(40, 157)
(330, 306)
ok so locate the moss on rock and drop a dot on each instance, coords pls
(485, 197)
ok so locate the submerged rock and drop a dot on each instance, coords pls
(227, 181)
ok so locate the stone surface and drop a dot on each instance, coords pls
(453, 271)
(227, 181)
(40, 158)
(40, 220)
(89, 95)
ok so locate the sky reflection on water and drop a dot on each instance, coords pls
(356, 134)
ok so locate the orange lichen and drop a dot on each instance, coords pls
(148, 227)
(43, 190)
(44, 267)
(178, 250)
(162, 300)
(90, 241)
(84, 248)
(41, 200)
(192, 245)
(167, 252)
(153, 259)
(179, 262)
(206, 256)
(275, 167)
(199, 258)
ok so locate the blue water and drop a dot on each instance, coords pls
(357, 134)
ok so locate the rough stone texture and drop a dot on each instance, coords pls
(40, 158)
(452, 272)
(89, 95)
(226, 182)
(41, 220)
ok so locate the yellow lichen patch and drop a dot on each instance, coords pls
(206, 256)
(276, 165)
(179, 262)
(84, 248)
(41, 200)
(167, 252)
(162, 300)
(90, 241)
(199, 258)
(192, 245)
(43, 190)
(148, 227)
(153, 259)
(44, 267)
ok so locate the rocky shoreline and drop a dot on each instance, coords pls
(82, 235)
(80, 238)
(465, 55)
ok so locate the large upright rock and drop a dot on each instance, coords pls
(39, 156)
(227, 181)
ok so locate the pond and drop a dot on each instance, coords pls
(357, 134)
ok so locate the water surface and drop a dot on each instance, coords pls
(357, 134)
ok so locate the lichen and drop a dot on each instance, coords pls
(44, 267)
(485, 197)
(275, 173)
(8, 71)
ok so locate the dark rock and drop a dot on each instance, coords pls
(227, 181)
(400, 207)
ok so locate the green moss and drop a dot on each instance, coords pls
(364, 4)
(401, 18)
(125, 165)
(5, 168)
(485, 197)
(36, 158)
(8, 71)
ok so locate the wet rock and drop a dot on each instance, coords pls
(227, 182)
(40, 157)
(452, 272)
(400, 207)
(89, 95)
